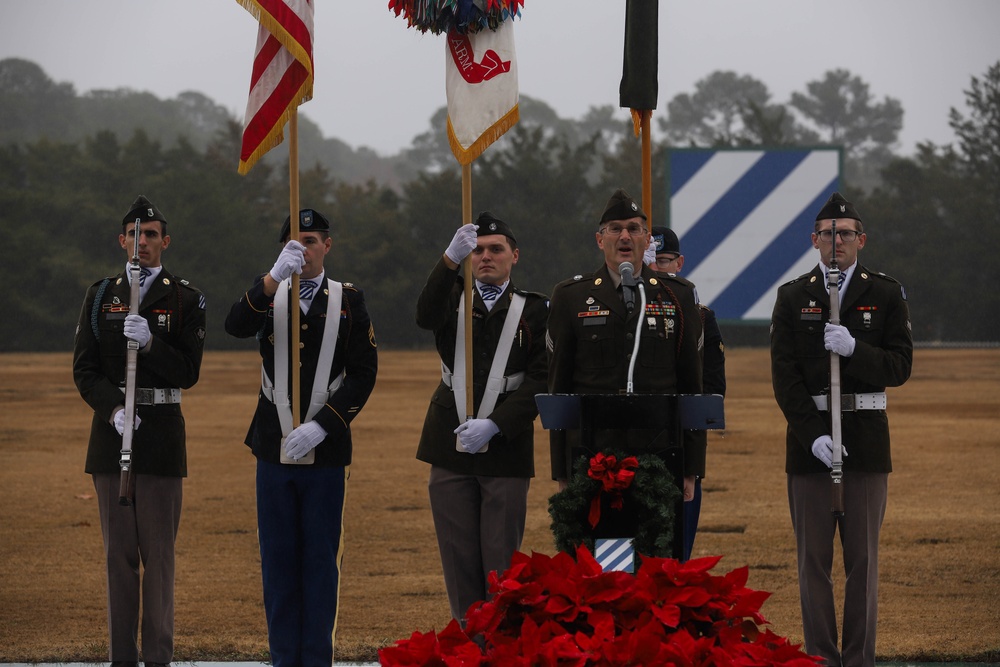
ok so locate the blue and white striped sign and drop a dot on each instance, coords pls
(744, 217)
(615, 555)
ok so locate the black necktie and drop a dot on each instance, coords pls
(306, 289)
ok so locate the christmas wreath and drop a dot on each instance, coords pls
(641, 484)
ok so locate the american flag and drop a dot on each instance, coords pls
(282, 76)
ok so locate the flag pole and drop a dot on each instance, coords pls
(293, 218)
(647, 169)
(467, 220)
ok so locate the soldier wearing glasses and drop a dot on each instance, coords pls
(591, 336)
(875, 348)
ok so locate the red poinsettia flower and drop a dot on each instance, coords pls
(565, 612)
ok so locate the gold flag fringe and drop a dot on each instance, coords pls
(275, 135)
(493, 132)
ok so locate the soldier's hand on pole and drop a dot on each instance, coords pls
(137, 328)
(291, 260)
(649, 257)
(119, 421)
(837, 338)
(822, 448)
(303, 439)
(462, 243)
(475, 433)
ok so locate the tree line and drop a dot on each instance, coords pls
(69, 171)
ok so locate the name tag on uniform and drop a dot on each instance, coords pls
(594, 317)
(812, 313)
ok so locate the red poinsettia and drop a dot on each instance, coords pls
(615, 476)
(557, 611)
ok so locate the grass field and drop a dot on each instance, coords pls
(940, 555)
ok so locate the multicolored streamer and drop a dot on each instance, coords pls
(462, 16)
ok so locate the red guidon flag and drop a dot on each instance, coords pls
(481, 79)
(282, 76)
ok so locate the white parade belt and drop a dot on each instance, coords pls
(156, 396)
(853, 402)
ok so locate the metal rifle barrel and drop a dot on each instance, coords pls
(837, 469)
(126, 486)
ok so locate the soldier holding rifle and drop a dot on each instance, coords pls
(168, 334)
(872, 348)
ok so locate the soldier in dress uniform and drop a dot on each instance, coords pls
(875, 348)
(170, 331)
(300, 506)
(591, 338)
(664, 256)
(478, 483)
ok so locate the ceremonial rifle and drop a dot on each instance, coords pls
(837, 468)
(126, 487)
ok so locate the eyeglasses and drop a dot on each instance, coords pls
(666, 260)
(633, 229)
(846, 235)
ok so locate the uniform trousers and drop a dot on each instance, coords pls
(692, 510)
(300, 512)
(815, 525)
(142, 533)
(479, 522)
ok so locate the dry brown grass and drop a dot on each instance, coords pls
(940, 576)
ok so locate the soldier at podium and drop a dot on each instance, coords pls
(594, 321)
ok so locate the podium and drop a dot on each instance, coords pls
(633, 423)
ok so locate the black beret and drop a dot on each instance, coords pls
(838, 207)
(490, 224)
(665, 240)
(309, 221)
(621, 207)
(143, 209)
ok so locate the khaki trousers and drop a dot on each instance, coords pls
(479, 522)
(809, 500)
(143, 533)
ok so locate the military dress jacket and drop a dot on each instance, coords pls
(356, 357)
(511, 451)
(175, 311)
(592, 339)
(874, 310)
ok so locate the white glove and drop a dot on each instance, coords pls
(291, 260)
(119, 421)
(303, 439)
(823, 450)
(137, 328)
(475, 433)
(649, 257)
(462, 243)
(838, 339)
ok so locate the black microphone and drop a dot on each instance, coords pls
(628, 285)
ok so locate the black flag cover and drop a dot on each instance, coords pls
(638, 88)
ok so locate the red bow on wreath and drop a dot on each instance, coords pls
(614, 476)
